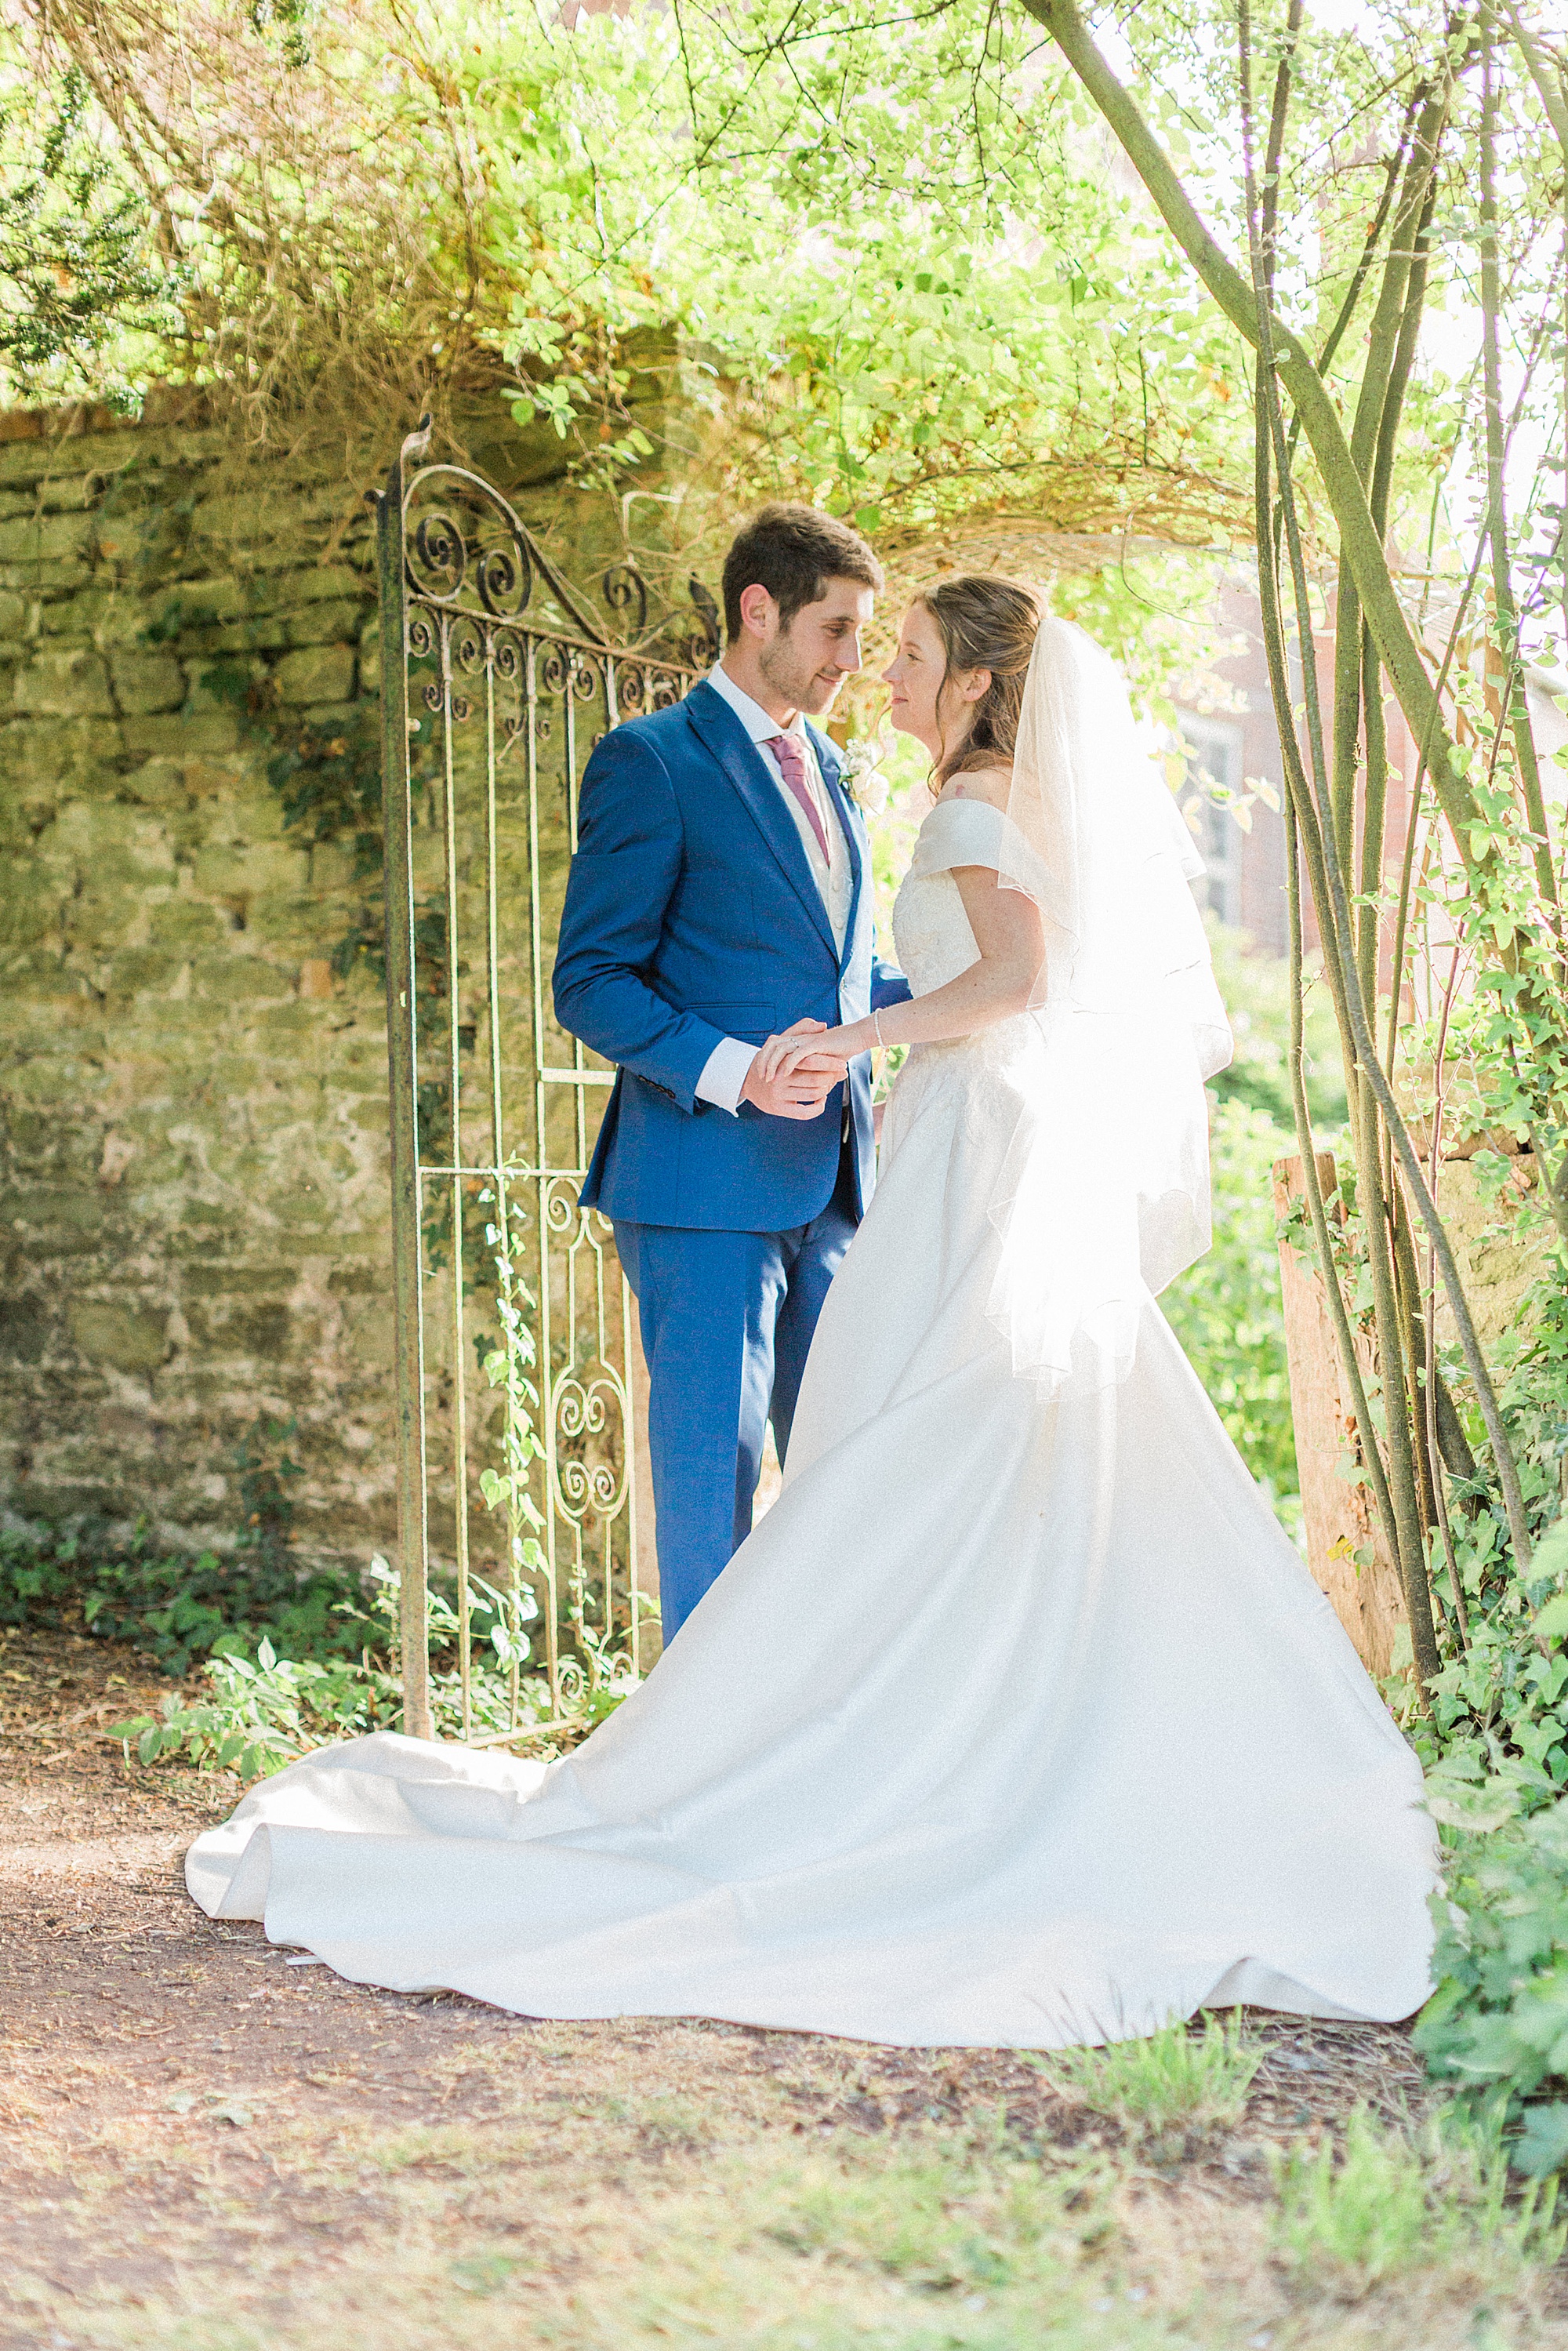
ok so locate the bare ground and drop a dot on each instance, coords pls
(206, 2148)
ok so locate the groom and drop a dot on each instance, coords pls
(721, 885)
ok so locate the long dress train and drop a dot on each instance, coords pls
(1015, 1722)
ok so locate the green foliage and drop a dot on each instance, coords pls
(1500, 1701)
(1498, 2020)
(1482, 873)
(174, 1609)
(908, 329)
(1497, 1057)
(889, 329)
(1508, 1038)
(260, 1715)
(1168, 2084)
(1256, 991)
(255, 1716)
(77, 285)
(1383, 2202)
(1496, 1747)
(1225, 1308)
(291, 17)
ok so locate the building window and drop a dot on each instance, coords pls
(1213, 781)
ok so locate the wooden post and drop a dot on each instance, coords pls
(1346, 1551)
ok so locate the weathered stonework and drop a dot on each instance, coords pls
(192, 1155)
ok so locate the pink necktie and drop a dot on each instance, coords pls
(792, 758)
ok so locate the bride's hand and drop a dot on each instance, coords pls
(806, 1044)
(789, 1049)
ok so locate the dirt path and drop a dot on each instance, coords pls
(208, 2148)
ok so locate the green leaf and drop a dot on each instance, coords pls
(1542, 2145)
(1551, 1552)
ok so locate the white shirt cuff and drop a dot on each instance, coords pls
(724, 1072)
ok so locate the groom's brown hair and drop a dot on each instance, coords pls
(793, 551)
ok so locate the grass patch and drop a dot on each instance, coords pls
(935, 2218)
(929, 2243)
(1383, 2203)
(563, 2222)
(1172, 2085)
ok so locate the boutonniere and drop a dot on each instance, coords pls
(860, 771)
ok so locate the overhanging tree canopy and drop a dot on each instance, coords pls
(905, 275)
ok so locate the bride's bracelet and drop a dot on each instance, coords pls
(876, 1030)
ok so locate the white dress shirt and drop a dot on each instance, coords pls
(725, 1070)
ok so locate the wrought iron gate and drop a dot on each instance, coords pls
(516, 1421)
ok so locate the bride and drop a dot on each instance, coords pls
(1017, 1720)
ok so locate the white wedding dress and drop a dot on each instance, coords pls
(1017, 1720)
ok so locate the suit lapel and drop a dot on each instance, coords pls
(759, 789)
(849, 824)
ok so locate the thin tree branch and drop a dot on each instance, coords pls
(1517, 697)
(1396, 644)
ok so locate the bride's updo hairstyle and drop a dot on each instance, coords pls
(984, 622)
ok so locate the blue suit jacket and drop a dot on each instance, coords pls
(692, 914)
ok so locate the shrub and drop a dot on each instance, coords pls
(1497, 2026)
(257, 1715)
(173, 1607)
(1504, 1696)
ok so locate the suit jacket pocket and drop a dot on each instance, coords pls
(750, 1022)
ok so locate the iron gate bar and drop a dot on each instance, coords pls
(463, 608)
(408, 1316)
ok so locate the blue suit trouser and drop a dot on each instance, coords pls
(726, 1320)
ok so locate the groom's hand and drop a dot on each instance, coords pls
(803, 1092)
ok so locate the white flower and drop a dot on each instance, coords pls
(860, 772)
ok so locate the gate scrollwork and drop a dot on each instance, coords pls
(498, 678)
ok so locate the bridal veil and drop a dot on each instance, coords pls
(1104, 1194)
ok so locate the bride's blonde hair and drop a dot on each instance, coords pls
(984, 622)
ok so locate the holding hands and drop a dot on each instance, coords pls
(794, 1074)
(810, 1053)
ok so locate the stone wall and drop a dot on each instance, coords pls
(193, 1156)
